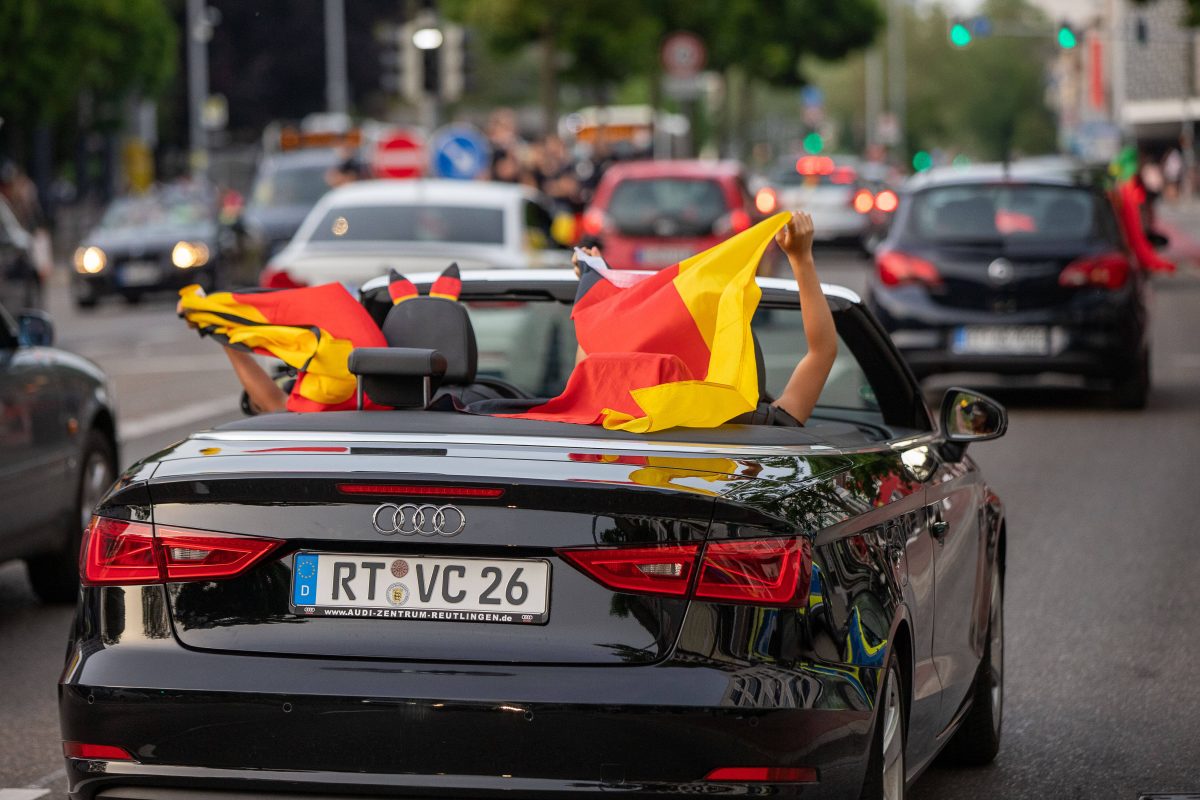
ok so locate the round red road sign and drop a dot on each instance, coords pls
(400, 154)
(683, 54)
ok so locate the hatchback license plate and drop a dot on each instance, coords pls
(662, 255)
(354, 585)
(1022, 340)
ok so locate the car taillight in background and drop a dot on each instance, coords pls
(863, 201)
(735, 221)
(764, 572)
(815, 165)
(1107, 271)
(766, 200)
(119, 552)
(896, 268)
(594, 222)
(887, 201)
(279, 278)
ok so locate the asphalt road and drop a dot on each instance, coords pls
(1103, 656)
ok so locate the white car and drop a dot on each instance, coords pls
(360, 230)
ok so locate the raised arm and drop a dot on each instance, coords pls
(265, 395)
(808, 379)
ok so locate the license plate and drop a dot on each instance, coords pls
(140, 273)
(662, 255)
(360, 586)
(1023, 340)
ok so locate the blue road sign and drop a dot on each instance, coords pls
(459, 151)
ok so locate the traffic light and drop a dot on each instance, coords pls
(922, 161)
(960, 33)
(1066, 36)
(813, 143)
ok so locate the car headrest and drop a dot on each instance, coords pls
(401, 377)
(436, 323)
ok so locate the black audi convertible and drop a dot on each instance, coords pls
(421, 604)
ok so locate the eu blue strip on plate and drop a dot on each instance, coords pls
(304, 580)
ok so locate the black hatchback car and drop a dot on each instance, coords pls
(422, 604)
(1017, 272)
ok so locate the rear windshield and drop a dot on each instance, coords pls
(1008, 213)
(667, 206)
(393, 223)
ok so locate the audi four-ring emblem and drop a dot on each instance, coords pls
(411, 519)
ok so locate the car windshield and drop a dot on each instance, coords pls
(400, 223)
(1003, 213)
(666, 206)
(166, 211)
(532, 344)
(290, 186)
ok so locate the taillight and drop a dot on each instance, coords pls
(278, 278)
(663, 570)
(594, 222)
(1108, 271)
(765, 572)
(763, 775)
(896, 268)
(117, 552)
(887, 201)
(189, 555)
(735, 221)
(104, 752)
(766, 200)
(863, 201)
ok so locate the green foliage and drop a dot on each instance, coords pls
(1192, 15)
(54, 50)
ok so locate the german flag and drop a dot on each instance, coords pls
(671, 350)
(312, 329)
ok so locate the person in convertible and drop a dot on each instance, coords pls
(677, 388)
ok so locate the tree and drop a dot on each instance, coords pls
(1191, 16)
(55, 50)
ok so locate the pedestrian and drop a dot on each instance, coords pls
(1172, 168)
(1150, 175)
(21, 194)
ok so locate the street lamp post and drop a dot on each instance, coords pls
(337, 90)
(199, 31)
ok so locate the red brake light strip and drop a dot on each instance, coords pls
(420, 490)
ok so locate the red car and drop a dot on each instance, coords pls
(652, 214)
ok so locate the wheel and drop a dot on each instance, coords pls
(55, 576)
(132, 298)
(85, 295)
(885, 778)
(977, 740)
(1132, 392)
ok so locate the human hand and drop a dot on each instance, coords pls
(796, 237)
(591, 251)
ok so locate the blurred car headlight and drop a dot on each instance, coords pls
(186, 255)
(90, 260)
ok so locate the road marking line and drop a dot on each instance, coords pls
(50, 777)
(184, 415)
(23, 794)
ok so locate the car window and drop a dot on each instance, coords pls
(1005, 213)
(424, 223)
(538, 223)
(532, 345)
(780, 334)
(290, 186)
(666, 206)
(161, 211)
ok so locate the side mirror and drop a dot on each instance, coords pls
(1157, 239)
(968, 416)
(34, 329)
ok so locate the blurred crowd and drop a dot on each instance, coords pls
(545, 164)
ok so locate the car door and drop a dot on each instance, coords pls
(34, 444)
(954, 502)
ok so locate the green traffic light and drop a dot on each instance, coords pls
(1066, 38)
(922, 161)
(960, 35)
(813, 143)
